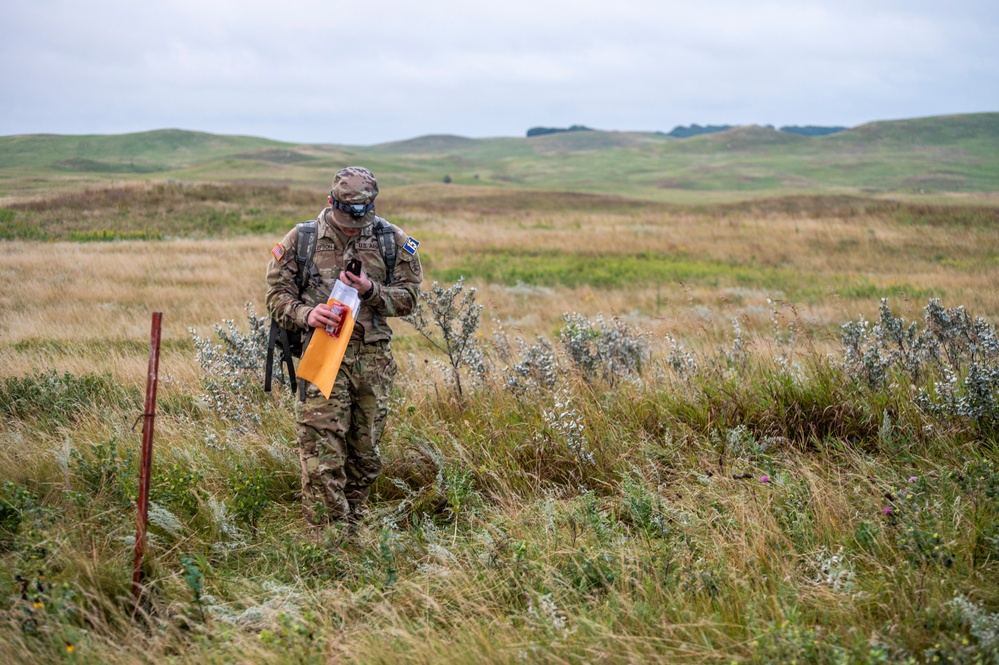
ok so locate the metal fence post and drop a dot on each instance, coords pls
(145, 469)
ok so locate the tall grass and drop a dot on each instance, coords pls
(754, 501)
(682, 468)
(531, 255)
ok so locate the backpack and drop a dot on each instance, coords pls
(292, 344)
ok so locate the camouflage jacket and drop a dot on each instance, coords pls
(333, 251)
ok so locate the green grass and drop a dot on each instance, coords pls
(159, 210)
(849, 206)
(97, 346)
(860, 289)
(108, 235)
(553, 268)
(556, 268)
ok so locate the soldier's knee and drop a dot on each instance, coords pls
(367, 469)
(319, 466)
(372, 467)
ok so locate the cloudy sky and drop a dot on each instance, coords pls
(368, 72)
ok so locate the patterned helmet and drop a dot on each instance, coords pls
(353, 193)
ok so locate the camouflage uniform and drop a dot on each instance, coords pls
(338, 437)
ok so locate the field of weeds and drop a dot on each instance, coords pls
(680, 434)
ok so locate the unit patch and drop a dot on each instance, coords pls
(278, 251)
(411, 245)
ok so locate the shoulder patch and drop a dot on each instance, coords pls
(411, 245)
(278, 251)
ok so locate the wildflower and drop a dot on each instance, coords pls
(886, 510)
(765, 479)
(39, 604)
(912, 479)
(70, 648)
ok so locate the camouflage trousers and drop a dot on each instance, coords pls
(338, 437)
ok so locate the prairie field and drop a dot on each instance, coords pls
(685, 272)
(757, 430)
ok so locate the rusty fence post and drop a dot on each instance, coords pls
(146, 467)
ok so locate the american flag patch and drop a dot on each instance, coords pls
(411, 245)
(278, 251)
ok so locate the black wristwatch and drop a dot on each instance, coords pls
(370, 292)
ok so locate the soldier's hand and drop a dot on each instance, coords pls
(323, 315)
(359, 282)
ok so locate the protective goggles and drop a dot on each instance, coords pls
(353, 209)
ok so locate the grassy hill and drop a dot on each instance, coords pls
(970, 131)
(899, 157)
(160, 150)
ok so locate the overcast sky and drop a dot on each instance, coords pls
(368, 72)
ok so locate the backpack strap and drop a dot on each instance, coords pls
(305, 251)
(387, 246)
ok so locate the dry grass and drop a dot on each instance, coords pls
(70, 305)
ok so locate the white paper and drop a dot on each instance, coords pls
(347, 295)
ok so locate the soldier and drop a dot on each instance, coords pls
(338, 437)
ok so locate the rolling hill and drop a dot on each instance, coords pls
(895, 157)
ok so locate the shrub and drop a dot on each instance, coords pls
(536, 372)
(105, 470)
(681, 360)
(966, 633)
(16, 503)
(961, 350)
(232, 369)
(176, 486)
(452, 326)
(644, 510)
(195, 580)
(250, 498)
(563, 427)
(600, 349)
(590, 571)
(314, 561)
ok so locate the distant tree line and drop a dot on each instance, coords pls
(811, 130)
(541, 131)
(681, 132)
